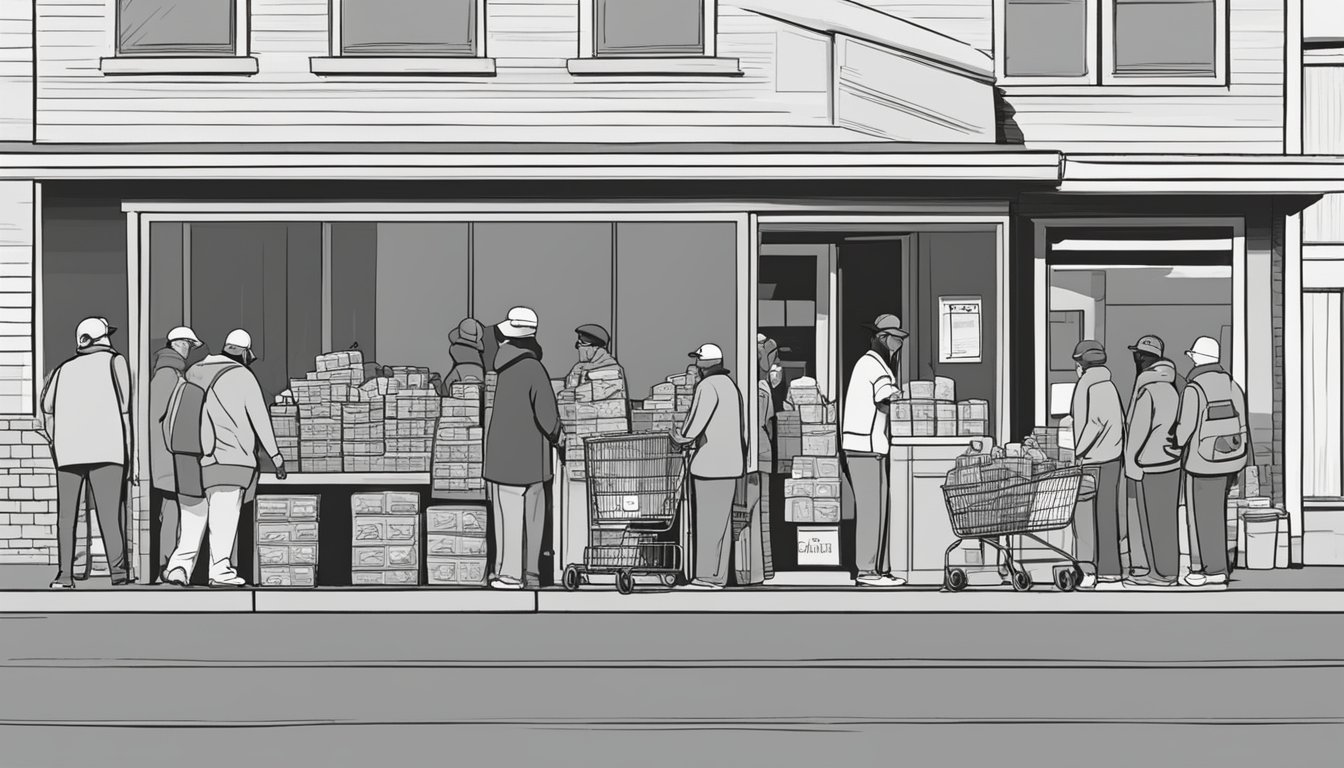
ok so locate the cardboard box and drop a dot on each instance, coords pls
(901, 411)
(902, 429)
(366, 578)
(409, 445)
(944, 389)
(275, 533)
(923, 410)
(945, 411)
(800, 314)
(362, 448)
(320, 449)
(309, 412)
(771, 314)
(402, 556)
(825, 489)
(973, 410)
(320, 429)
(323, 465)
(947, 428)
(804, 468)
(368, 557)
(445, 544)
(812, 414)
(826, 510)
(827, 468)
(272, 555)
(799, 488)
(798, 510)
(368, 504)
(456, 571)
(967, 428)
(820, 444)
(465, 391)
(920, 390)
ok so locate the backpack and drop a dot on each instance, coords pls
(182, 420)
(1220, 435)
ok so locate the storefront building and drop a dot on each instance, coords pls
(790, 170)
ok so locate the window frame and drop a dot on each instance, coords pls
(588, 35)
(239, 33)
(337, 62)
(1220, 52)
(1001, 50)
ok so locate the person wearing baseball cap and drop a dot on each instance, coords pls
(865, 438)
(716, 427)
(169, 367)
(86, 408)
(1151, 467)
(524, 429)
(1213, 433)
(234, 423)
(595, 359)
(1098, 439)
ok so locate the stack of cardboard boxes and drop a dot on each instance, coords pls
(319, 396)
(362, 435)
(459, 443)
(455, 553)
(595, 407)
(931, 409)
(386, 538)
(788, 440)
(812, 494)
(666, 407)
(285, 423)
(287, 541)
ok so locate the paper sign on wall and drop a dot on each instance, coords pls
(959, 329)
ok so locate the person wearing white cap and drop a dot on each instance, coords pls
(717, 427)
(169, 367)
(86, 406)
(1213, 434)
(524, 427)
(866, 439)
(234, 420)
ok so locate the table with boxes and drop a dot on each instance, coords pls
(931, 409)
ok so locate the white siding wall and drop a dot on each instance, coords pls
(16, 71)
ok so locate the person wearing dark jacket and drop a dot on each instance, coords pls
(1151, 464)
(1098, 438)
(170, 365)
(466, 347)
(524, 428)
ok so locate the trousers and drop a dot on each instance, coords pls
(218, 512)
(1099, 538)
(713, 528)
(1207, 499)
(869, 476)
(108, 482)
(1159, 522)
(164, 517)
(520, 520)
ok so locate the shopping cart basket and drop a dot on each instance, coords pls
(1018, 506)
(636, 491)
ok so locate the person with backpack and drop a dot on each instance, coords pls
(87, 412)
(220, 400)
(170, 363)
(1213, 435)
(1152, 465)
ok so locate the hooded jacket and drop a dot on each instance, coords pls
(525, 422)
(1151, 420)
(169, 368)
(467, 363)
(602, 361)
(234, 420)
(1098, 417)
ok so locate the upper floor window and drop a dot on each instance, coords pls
(650, 27)
(1112, 42)
(179, 28)
(407, 28)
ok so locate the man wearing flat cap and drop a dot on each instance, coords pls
(593, 345)
(1098, 439)
(866, 440)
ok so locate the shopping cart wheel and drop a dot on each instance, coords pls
(625, 582)
(1021, 581)
(955, 579)
(1066, 579)
(573, 579)
(669, 580)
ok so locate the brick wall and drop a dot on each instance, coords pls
(27, 495)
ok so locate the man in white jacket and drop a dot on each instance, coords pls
(234, 420)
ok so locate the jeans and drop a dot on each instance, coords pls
(520, 519)
(1159, 521)
(108, 482)
(1207, 499)
(219, 512)
(1099, 537)
(164, 517)
(713, 526)
(869, 476)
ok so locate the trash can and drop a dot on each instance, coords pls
(1262, 539)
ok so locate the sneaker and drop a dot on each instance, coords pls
(1217, 580)
(121, 580)
(1149, 581)
(704, 585)
(503, 583)
(176, 577)
(892, 581)
(1196, 579)
(60, 583)
(227, 581)
(1089, 582)
(869, 580)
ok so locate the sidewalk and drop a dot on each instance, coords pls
(23, 589)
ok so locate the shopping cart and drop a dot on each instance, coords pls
(636, 491)
(1014, 507)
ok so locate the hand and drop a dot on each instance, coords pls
(280, 471)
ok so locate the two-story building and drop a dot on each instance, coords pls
(332, 172)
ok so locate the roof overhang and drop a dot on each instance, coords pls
(1204, 175)
(817, 162)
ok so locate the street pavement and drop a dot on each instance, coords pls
(671, 689)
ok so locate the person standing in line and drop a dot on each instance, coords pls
(716, 427)
(87, 419)
(466, 345)
(769, 376)
(234, 422)
(866, 442)
(1098, 439)
(1213, 433)
(524, 428)
(170, 365)
(593, 343)
(1151, 463)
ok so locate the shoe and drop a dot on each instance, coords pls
(704, 585)
(121, 580)
(60, 583)
(869, 580)
(1089, 582)
(502, 583)
(227, 582)
(1149, 581)
(1217, 580)
(892, 581)
(176, 577)
(1196, 579)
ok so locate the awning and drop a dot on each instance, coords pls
(1203, 174)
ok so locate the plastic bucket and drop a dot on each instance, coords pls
(1262, 539)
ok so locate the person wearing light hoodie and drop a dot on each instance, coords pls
(170, 364)
(1098, 438)
(1152, 465)
(234, 421)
